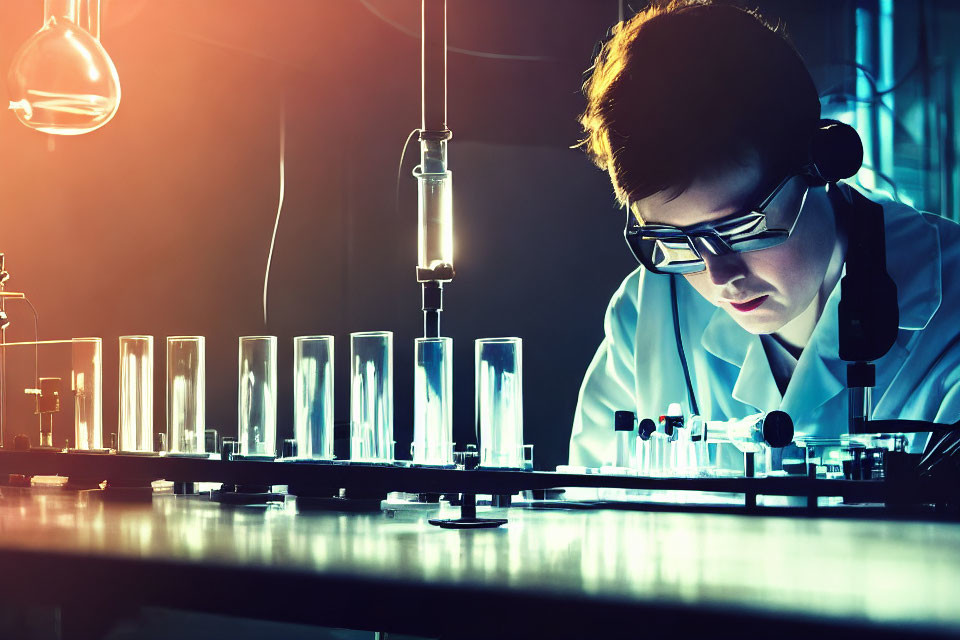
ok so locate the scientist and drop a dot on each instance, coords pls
(705, 117)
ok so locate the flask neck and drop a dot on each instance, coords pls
(83, 13)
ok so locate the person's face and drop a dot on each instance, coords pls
(762, 290)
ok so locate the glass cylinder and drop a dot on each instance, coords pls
(435, 237)
(433, 401)
(87, 385)
(499, 402)
(135, 431)
(257, 396)
(371, 396)
(313, 396)
(186, 393)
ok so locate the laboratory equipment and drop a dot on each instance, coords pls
(313, 397)
(623, 424)
(88, 392)
(371, 396)
(435, 189)
(136, 394)
(752, 433)
(62, 81)
(47, 397)
(433, 402)
(499, 402)
(257, 396)
(186, 394)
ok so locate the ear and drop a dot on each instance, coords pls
(836, 151)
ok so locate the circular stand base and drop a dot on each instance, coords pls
(196, 456)
(142, 454)
(91, 451)
(468, 523)
(349, 505)
(296, 460)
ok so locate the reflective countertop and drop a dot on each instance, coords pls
(885, 572)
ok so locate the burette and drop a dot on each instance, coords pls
(435, 190)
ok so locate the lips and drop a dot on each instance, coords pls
(749, 305)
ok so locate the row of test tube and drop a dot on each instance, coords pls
(498, 408)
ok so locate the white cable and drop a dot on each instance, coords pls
(276, 223)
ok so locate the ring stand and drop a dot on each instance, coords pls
(468, 517)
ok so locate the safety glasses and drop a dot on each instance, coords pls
(666, 249)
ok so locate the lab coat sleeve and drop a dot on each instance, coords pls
(610, 382)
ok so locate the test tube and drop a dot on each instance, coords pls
(499, 402)
(88, 392)
(371, 396)
(186, 394)
(313, 396)
(433, 401)
(135, 432)
(257, 396)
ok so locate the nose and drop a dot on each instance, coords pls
(724, 269)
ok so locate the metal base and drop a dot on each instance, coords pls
(468, 523)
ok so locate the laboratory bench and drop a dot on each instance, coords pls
(546, 573)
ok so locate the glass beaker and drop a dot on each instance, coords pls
(87, 385)
(62, 81)
(371, 396)
(257, 396)
(135, 431)
(499, 402)
(313, 396)
(186, 393)
(433, 401)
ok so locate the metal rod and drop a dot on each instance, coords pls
(433, 55)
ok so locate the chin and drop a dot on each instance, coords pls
(757, 326)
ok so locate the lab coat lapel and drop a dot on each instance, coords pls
(820, 372)
(755, 385)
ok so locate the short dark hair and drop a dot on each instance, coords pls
(689, 87)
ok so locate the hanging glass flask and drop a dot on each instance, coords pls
(62, 81)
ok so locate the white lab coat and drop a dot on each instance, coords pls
(637, 367)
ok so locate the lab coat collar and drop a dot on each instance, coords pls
(725, 339)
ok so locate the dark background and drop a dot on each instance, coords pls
(159, 223)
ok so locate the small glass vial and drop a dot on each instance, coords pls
(623, 424)
(87, 385)
(371, 396)
(499, 402)
(135, 432)
(313, 397)
(433, 402)
(257, 397)
(186, 394)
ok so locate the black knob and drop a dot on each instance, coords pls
(624, 420)
(647, 427)
(777, 429)
(21, 442)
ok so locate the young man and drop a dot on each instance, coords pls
(704, 117)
